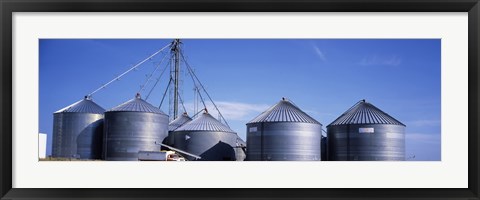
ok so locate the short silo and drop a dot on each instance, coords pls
(365, 133)
(173, 125)
(283, 133)
(77, 130)
(208, 138)
(132, 127)
(241, 150)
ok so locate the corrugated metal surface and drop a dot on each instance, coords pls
(283, 141)
(176, 123)
(284, 111)
(365, 113)
(183, 119)
(385, 143)
(240, 150)
(324, 148)
(240, 154)
(365, 133)
(205, 123)
(137, 105)
(283, 133)
(78, 130)
(85, 105)
(240, 142)
(77, 135)
(208, 138)
(210, 145)
(132, 129)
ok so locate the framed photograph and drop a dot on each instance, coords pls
(363, 81)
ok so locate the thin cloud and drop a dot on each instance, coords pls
(232, 110)
(425, 122)
(373, 60)
(423, 137)
(319, 53)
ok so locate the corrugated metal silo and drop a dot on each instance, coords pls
(324, 148)
(77, 130)
(240, 150)
(132, 127)
(366, 133)
(283, 133)
(206, 137)
(173, 125)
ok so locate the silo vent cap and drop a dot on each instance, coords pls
(138, 96)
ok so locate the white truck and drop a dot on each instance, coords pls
(159, 156)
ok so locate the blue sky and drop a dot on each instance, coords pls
(324, 77)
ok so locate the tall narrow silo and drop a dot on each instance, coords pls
(77, 130)
(132, 127)
(283, 133)
(208, 138)
(324, 148)
(365, 133)
(173, 125)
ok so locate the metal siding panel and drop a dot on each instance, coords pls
(210, 145)
(254, 141)
(240, 154)
(284, 141)
(127, 133)
(366, 146)
(323, 151)
(77, 135)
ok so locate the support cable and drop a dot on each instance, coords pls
(151, 75)
(165, 93)
(193, 75)
(198, 113)
(181, 102)
(132, 68)
(156, 82)
(194, 82)
(189, 121)
(198, 91)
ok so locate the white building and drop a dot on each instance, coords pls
(42, 145)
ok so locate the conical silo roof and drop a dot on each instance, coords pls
(85, 105)
(183, 119)
(205, 122)
(284, 111)
(136, 104)
(365, 113)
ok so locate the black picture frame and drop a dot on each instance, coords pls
(7, 7)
